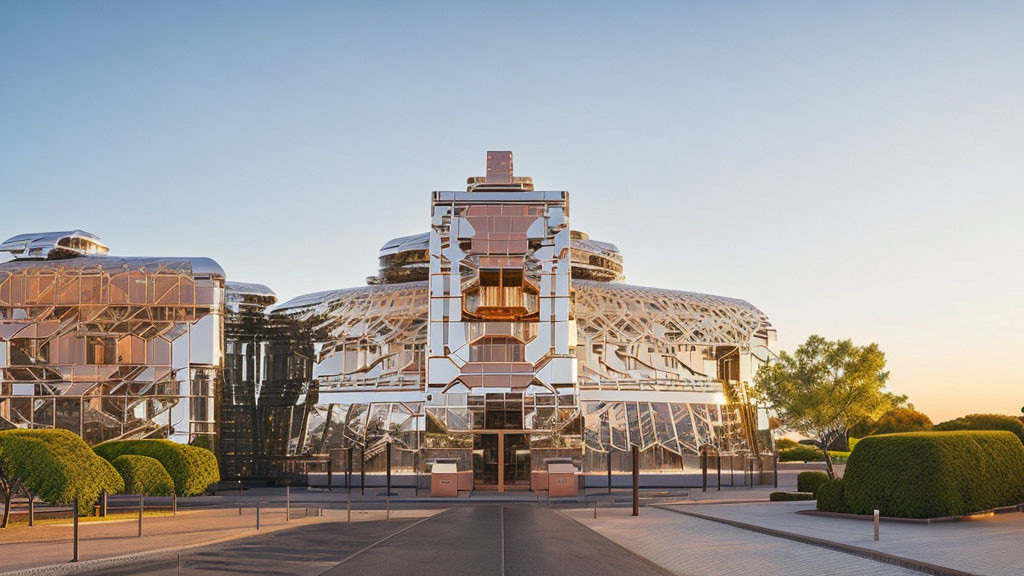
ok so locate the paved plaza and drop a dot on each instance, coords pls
(22, 547)
(512, 533)
(991, 546)
(689, 546)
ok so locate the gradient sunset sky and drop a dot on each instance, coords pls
(853, 169)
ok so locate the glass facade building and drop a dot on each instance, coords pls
(109, 347)
(498, 339)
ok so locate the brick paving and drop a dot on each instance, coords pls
(692, 547)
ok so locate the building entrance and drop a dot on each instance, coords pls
(501, 460)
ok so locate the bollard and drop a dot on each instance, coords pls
(595, 509)
(287, 502)
(74, 557)
(330, 474)
(174, 504)
(362, 470)
(775, 468)
(348, 487)
(751, 473)
(239, 509)
(609, 470)
(388, 458)
(31, 510)
(704, 470)
(306, 515)
(876, 525)
(257, 514)
(103, 504)
(142, 510)
(348, 470)
(718, 465)
(636, 480)
(239, 487)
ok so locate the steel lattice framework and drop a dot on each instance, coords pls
(111, 347)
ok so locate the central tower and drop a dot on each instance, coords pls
(500, 318)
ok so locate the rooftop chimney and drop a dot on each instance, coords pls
(499, 175)
(499, 167)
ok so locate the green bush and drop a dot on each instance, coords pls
(790, 496)
(192, 469)
(143, 475)
(809, 481)
(830, 496)
(785, 444)
(984, 422)
(893, 421)
(934, 474)
(804, 453)
(801, 454)
(838, 457)
(56, 465)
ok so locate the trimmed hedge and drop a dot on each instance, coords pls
(56, 465)
(934, 474)
(143, 475)
(810, 481)
(790, 496)
(801, 453)
(192, 469)
(804, 453)
(984, 422)
(830, 496)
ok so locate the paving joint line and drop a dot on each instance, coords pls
(382, 540)
(866, 553)
(641, 558)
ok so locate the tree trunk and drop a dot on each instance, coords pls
(7, 508)
(828, 459)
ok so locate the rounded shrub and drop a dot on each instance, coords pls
(934, 474)
(830, 496)
(143, 475)
(984, 422)
(809, 481)
(192, 469)
(790, 496)
(56, 466)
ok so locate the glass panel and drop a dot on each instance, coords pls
(517, 459)
(485, 459)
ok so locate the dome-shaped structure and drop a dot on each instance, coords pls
(407, 259)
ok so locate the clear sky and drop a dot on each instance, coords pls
(854, 170)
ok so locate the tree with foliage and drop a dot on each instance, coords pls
(825, 387)
(55, 466)
(892, 422)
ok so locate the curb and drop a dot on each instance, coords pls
(877, 556)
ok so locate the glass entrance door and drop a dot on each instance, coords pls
(516, 460)
(486, 466)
